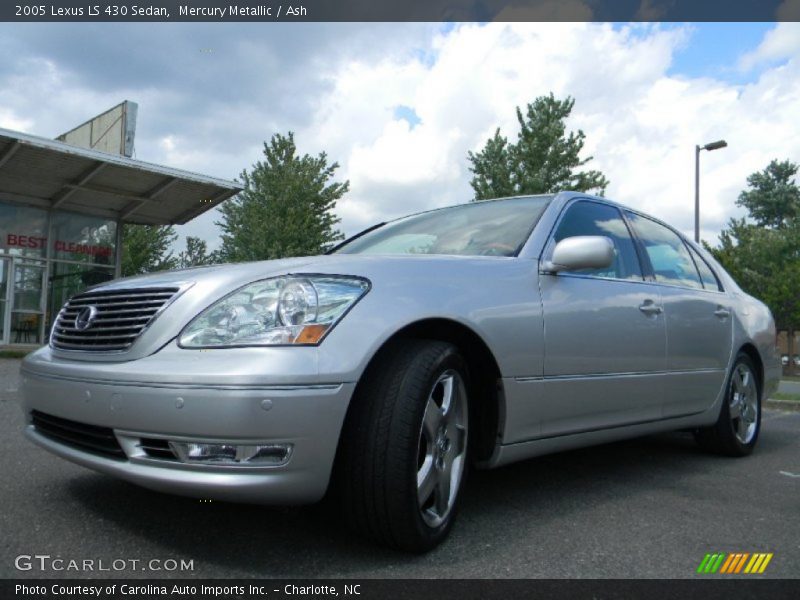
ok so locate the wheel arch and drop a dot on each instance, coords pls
(749, 349)
(487, 405)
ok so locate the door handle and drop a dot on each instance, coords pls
(648, 307)
(722, 312)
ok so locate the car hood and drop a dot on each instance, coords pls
(202, 286)
(225, 273)
(226, 277)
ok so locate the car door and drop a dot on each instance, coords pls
(605, 340)
(697, 314)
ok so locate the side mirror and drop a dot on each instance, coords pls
(581, 252)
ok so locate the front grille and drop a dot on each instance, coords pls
(118, 318)
(90, 438)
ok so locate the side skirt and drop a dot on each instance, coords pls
(509, 453)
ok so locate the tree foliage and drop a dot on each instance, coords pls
(146, 248)
(544, 159)
(766, 263)
(196, 253)
(493, 169)
(774, 197)
(286, 207)
(764, 255)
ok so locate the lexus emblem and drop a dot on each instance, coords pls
(85, 318)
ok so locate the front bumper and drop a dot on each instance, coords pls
(307, 416)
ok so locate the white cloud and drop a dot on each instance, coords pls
(780, 43)
(10, 120)
(641, 122)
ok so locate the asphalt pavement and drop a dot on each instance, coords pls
(645, 508)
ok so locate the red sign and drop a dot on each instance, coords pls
(34, 242)
(26, 241)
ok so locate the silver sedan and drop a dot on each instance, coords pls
(475, 335)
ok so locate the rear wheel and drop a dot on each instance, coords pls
(403, 455)
(736, 431)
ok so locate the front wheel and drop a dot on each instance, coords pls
(736, 431)
(403, 455)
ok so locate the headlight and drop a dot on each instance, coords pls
(283, 310)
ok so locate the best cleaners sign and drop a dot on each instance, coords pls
(31, 242)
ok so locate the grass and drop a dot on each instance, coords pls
(791, 378)
(13, 353)
(785, 396)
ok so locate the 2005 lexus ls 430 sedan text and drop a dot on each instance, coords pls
(478, 334)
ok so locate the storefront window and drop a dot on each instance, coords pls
(82, 252)
(28, 287)
(26, 311)
(83, 238)
(23, 230)
(26, 328)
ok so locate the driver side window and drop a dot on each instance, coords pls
(592, 218)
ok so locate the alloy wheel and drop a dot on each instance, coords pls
(744, 403)
(442, 448)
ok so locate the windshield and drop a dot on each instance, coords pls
(491, 228)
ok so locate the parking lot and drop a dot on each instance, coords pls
(645, 508)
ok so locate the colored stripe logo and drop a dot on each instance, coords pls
(735, 563)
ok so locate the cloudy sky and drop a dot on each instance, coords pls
(400, 105)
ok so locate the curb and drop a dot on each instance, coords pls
(790, 405)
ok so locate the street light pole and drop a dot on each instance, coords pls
(712, 146)
(697, 194)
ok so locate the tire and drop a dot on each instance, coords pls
(736, 431)
(408, 423)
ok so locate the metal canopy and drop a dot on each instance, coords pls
(50, 174)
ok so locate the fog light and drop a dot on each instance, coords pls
(256, 455)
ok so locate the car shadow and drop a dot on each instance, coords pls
(248, 540)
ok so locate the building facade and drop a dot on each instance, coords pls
(62, 209)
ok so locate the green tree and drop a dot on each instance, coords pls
(146, 248)
(492, 169)
(544, 159)
(196, 253)
(764, 255)
(286, 207)
(774, 197)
